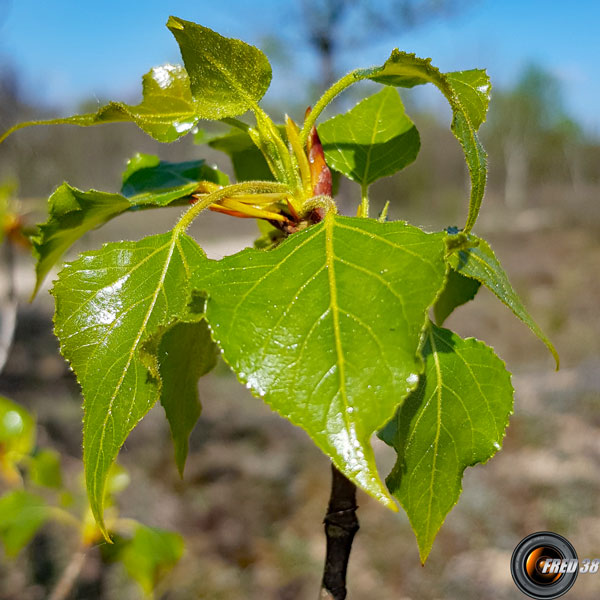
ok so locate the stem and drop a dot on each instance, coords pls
(364, 201)
(325, 99)
(250, 187)
(341, 524)
(69, 576)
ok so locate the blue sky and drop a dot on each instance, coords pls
(68, 50)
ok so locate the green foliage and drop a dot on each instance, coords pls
(373, 140)
(329, 324)
(17, 436)
(21, 515)
(186, 352)
(479, 262)
(457, 291)
(456, 418)
(310, 315)
(45, 469)
(109, 304)
(150, 555)
(149, 181)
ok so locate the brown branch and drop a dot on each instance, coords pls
(341, 524)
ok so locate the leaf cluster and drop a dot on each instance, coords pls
(328, 319)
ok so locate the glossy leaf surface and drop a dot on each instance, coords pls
(109, 303)
(479, 262)
(468, 93)
(21, 515)
(71, 214)
(186, 352)
(457, 291)
(150, 555)
(326, 328)
(147, 180)
(372, 140)
(456, 418)
(227, 76)
(166, 112)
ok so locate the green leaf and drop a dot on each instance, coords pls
(456, 418)
(186, 353)
(479, 262)
(373, 140)
(326, 327)
(109, 303)
(457, 291)
(227, 76)
(150, 555)
(45, 470)
(147, 180)
(21, 515)
(248, 161)
(166, 112)
(468, 93)
(17, 436)
(71, 214)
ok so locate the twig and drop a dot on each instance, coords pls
(341, 524)
(69, 576)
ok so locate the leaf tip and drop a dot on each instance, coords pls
(175, 23)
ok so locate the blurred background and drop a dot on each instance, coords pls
(255, 489)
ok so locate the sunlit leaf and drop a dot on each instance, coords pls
(21, 515)
(326, 327)
(456, 418)
(479, 262)
(227, 76)
(373, 140)
(108, 304)
(166, 112)
(468, 94)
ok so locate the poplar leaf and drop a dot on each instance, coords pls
(326, 328)
(467, 92)
(480, 263)
(456, 418)
(227, 76)
(372, 140)
(110, 304)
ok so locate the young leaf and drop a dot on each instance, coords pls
(166, 112)
(326, 327)
(108, 304)
(150, 555)
(479, 262)
(21, 515)
(17, 437)
(456, 418)
(186, 352)
(147, 180)
(227, 76)
(457, 291)
(373, 140)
